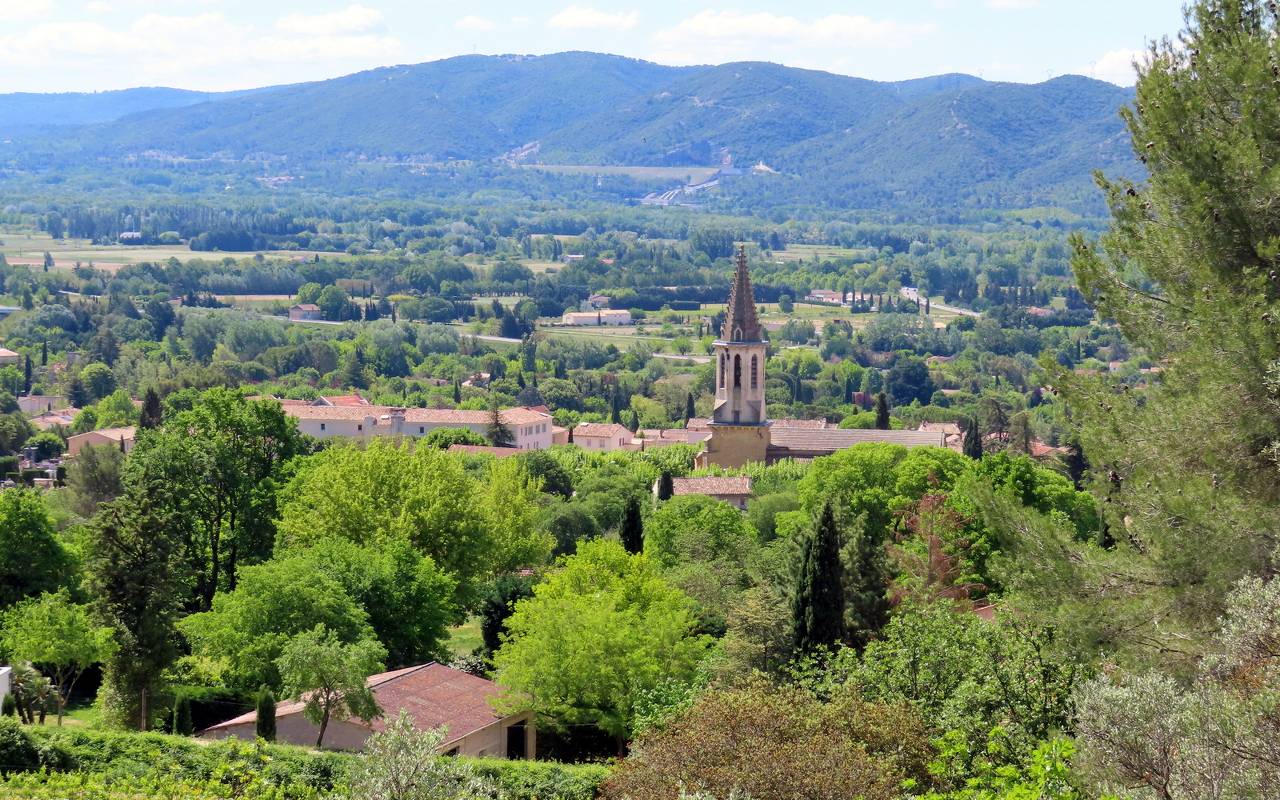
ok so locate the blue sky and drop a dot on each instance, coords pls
(90, 45)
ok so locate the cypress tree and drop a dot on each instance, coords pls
(152, 415)
(689, 410)
(818, 604)
(457, 391)
(26, 376)
(882, 412)
(632, 532)
(265, 725)
(866, 590)
(44, 353)
(972, 439)
(182, 724)
(666, 486)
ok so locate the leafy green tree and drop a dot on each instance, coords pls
(666, 487)
(98, 380)
(265, 716)
(32, 559)
(511, 498)
(60, 636)
(595, 635)
(245, 632)
(333, 303)
(328, 676)
(47, 444)
(498, 605)
(818, 604)
(542, 466)
(444, 438)
(568, 524)
(224, 456)
(94, 477)
(134, 571)
(383, 493)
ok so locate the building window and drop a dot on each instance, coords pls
(359, 427)
(755, 371)
(737, 371)
(724, 359)
(321, 426)
(422, 429)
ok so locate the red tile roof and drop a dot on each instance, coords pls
(344, 400)
(433, 694)
(604, 430)
(737, 487)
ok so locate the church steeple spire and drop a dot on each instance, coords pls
(740, 323)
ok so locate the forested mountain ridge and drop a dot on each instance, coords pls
(941, 140)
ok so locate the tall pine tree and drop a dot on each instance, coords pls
(818, 603)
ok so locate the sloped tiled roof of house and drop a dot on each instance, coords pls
(435, 416)
(716, 486)
(343, 400)
(831, 440)
(307, 307)
(803, 424)
(945, 428)
(432, 694)
(602, 430)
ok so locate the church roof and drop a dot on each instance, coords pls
(740, 323)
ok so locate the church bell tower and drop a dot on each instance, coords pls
(739, 427)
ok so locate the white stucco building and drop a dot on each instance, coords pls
(530, 428)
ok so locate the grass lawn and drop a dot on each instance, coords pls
(465, 639)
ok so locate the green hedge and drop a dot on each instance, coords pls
(542, 780)
(290, 771)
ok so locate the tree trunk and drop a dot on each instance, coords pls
(324, 723)
(142, 709)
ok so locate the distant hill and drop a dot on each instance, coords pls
(947, 139)
(25, 110)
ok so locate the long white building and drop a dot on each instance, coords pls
(530, 428)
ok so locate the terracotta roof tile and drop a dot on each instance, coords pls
(605, 430)
(737, 486)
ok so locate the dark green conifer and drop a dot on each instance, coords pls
(632, 532)
(818, 603)
(265, 725)
(882, 412)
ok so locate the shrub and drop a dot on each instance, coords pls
(265, 724)
(17, 751)
(540, 780)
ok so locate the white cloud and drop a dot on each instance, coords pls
(98, 7)
(352, 19)
(718, 36)
(11, 10)
(583, 18)
(1012, 5)
(188, 51)
(1115, 67)
(474, 23)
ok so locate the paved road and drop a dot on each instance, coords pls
(912, 294)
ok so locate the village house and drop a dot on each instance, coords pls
(122, 438)
(432, 694)
(951, 432)
(530, 429)
(58, 417)
(303, 312)
(825, 296)
(735, 491)
(650, 438)
(594, 302)
(8, 358)
(602, 436)
(603, 316)
(40, 403)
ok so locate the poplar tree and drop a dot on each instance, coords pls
(818, 605)
(152, 415)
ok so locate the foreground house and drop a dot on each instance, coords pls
(530, 428)
(432, 694)
(115, 437)
(606, 436)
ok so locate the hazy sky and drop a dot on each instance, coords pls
(56, 45)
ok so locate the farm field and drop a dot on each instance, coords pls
(27, 248)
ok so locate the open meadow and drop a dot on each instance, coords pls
(26, 248)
